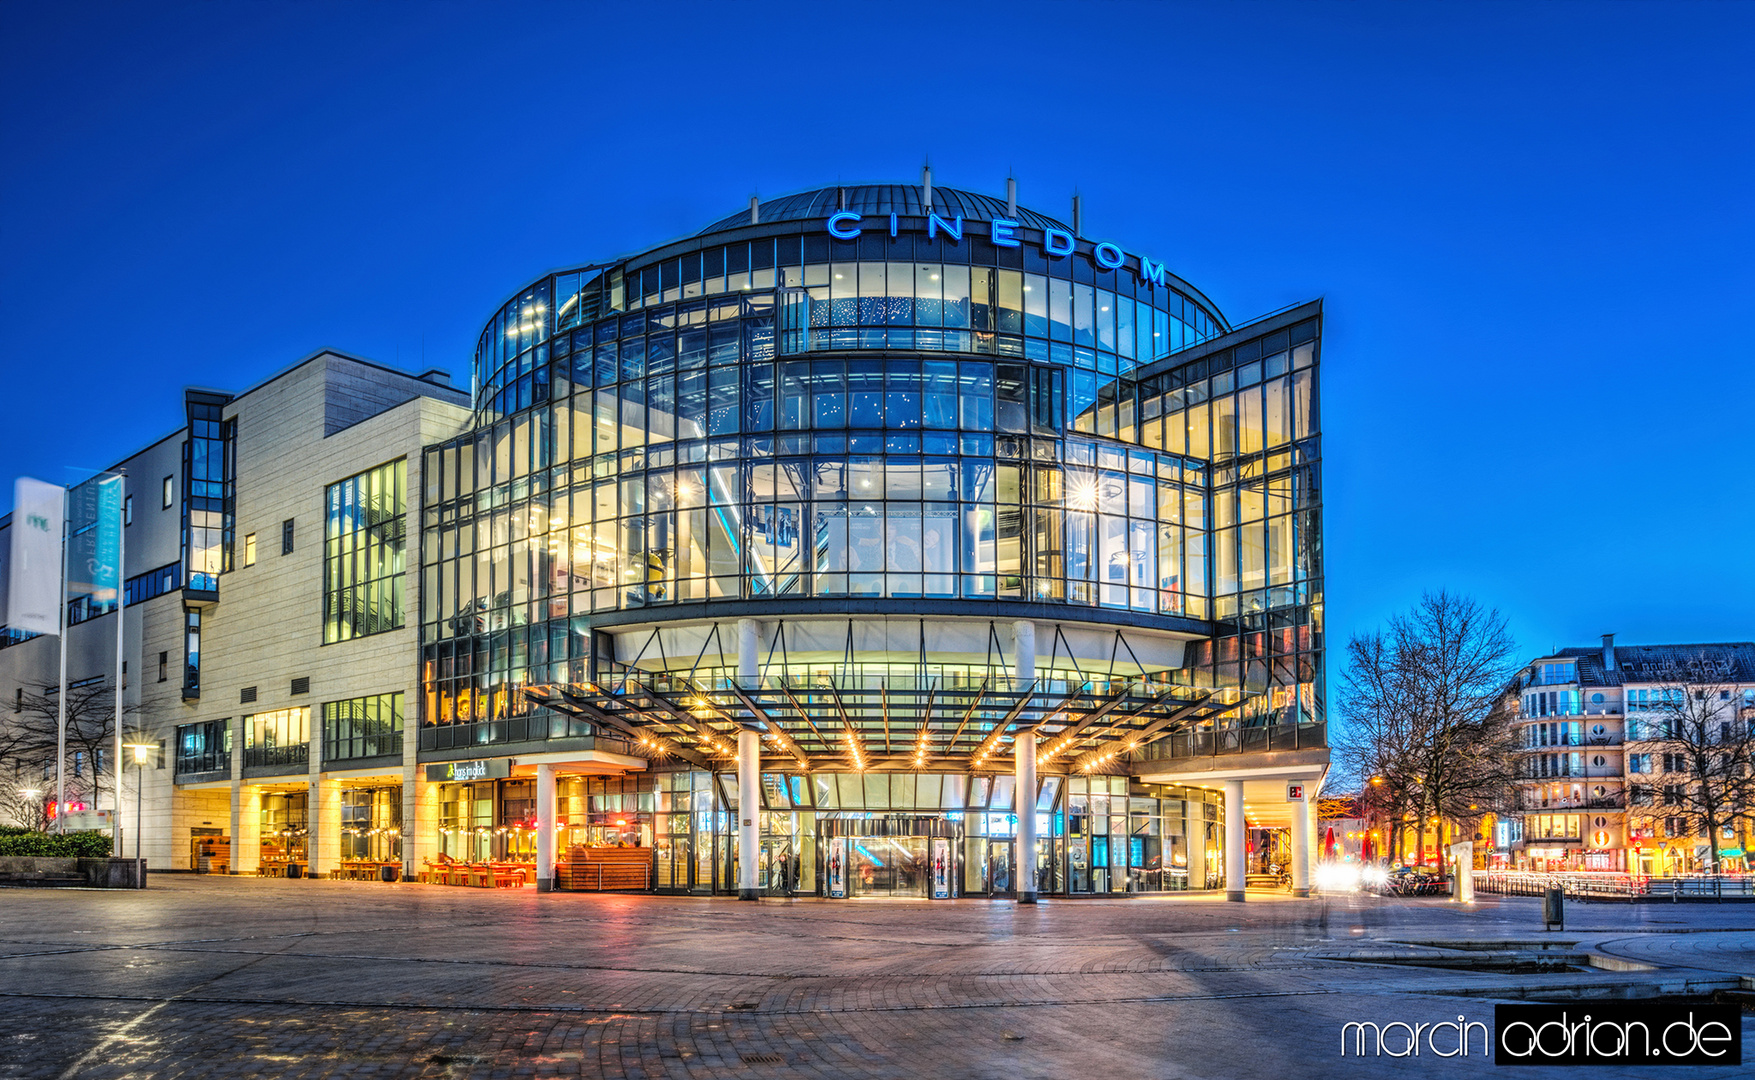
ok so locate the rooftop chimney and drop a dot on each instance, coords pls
(1011, 196)
(926, 186)
(1078, 215)
(1608, 652)
(755, 214)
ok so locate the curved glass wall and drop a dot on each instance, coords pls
(907, 292)
(799, 418)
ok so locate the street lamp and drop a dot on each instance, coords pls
(141, 751)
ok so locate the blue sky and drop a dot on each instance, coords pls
(1531, 225)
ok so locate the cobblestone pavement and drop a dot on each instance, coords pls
(214, 977)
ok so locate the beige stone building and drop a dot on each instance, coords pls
(268, 606)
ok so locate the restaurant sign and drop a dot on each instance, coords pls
(460, 772)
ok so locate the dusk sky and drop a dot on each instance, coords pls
(1531, 224)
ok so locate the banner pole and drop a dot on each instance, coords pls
(121, 665)
(61, 692)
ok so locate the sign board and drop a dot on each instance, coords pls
(462, 772)
(1295, 792)
(941, 868)
(1002, 232)
(97, 820)
(837, 867)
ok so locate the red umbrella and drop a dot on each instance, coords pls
(1328, 843)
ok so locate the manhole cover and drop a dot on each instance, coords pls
(761, 1059)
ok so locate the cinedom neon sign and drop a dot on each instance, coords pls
(1056, 243)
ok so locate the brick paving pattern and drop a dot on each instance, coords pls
(242, 977)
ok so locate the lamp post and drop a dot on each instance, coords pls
(141, 750)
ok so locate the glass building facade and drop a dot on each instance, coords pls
(961, 413)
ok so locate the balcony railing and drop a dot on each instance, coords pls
(363, 745)
(1614, 800)
(271, 756)
(536, 727)
(1246, 740)
(204, 761)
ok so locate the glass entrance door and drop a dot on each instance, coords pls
(779, 870)
(887, 866)
(987, 867)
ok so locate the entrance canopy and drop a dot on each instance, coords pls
(812, 725)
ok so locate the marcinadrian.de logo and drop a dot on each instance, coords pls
(1599, 1033)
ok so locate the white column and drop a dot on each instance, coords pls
(1462, 857)
(749, 639)
(1024, 641)
(545, 828)
(238, 824)
(749, 811)
(1024, 755)
(1235, 861)
(1301, 843)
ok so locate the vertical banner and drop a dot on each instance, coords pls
(33, 595)
(837, 859)
(95, 539)
(941, 868)
(106, 571)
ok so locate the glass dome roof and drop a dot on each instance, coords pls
(884, 199)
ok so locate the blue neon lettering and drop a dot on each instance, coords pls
(934, 223)
(1056, 243)
(837, 230)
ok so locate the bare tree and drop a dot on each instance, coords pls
(23, 798)
(31, 740)
(1429, 716)
(1708, 761)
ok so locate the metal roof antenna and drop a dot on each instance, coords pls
(926, 186)
(1078, 221)
(755, 211)
(1011, 196)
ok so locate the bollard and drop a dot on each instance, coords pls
(1554, 910)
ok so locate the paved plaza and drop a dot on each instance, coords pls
(206, 977)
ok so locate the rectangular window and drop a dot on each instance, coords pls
(1550, 674)
(128, 510)
(191, 653)
(362, 727)
(364, 549)
(286, 537)
(250, 549)
(170, 490)
(204, 747)
(164, 660)
(282, 737)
